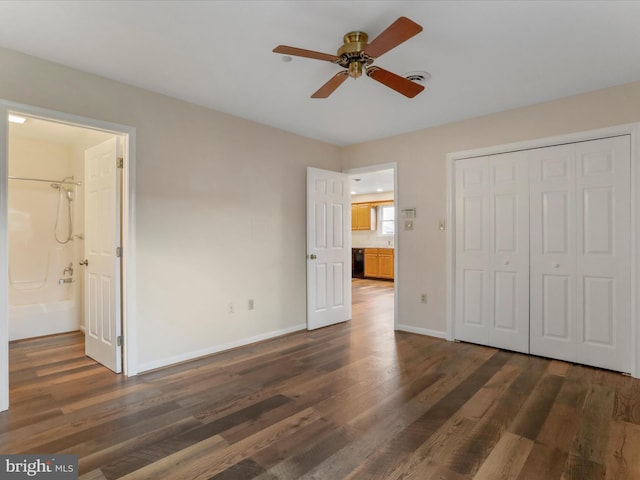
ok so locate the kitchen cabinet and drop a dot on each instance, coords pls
(385, 262)
(363, 216)
(378, 263)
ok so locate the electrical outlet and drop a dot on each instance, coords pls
(250, 304)
(230, 308)
(423, 298)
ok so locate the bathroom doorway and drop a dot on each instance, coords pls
(46, 200)
(47, 229)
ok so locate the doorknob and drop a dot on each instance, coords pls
(84, 262)
(313, 256)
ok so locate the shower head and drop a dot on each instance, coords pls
(61, 188)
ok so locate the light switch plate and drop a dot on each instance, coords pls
(408, 225)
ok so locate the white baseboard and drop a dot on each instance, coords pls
(165, 362)
(422, 331)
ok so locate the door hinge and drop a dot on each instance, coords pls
(118, 252)
(120, 162)
(119, 341)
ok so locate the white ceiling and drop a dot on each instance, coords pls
(484, 56)
(43, 130)
(372, 182)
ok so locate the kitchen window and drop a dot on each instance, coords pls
(387, 215)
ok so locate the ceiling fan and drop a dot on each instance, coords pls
(356, 56)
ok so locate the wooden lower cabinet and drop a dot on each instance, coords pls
(371, 264)
(378, 262)
(385, 262)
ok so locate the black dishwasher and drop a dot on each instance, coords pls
(357, 262)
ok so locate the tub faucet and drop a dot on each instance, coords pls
(62, 281)
(68, 269)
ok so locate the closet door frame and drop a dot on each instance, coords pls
(633, 130)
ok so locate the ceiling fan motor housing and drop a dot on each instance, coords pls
(352, 55)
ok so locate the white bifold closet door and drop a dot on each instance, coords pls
(581, 252)
(492, 251)
(543, 253)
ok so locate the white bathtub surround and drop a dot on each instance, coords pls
(38, 303)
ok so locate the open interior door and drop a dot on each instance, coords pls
(103, 325)
(328, 248)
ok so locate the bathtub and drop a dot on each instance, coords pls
(40, 319)
(38, 304)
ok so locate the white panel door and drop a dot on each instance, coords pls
(328, 248)
(553, 252)
(492, 251)
(509, 259)
(473, 252)
(603, 266)
(102, 237)
(580, 253)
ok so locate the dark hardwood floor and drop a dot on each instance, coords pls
(352, 401)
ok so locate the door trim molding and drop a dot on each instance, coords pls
(631, 129)
(129, 329)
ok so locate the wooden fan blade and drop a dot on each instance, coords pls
(399, 31)
(301, 52)
(396, 82)
(329, 87)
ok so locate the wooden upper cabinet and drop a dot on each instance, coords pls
(363, 216)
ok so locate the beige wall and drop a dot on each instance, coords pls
(220, 210)
(421, 158)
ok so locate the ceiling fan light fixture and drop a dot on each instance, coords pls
(355, 69)
(418, 77)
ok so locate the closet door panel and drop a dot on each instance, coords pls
(553, 252)
(555, 221)
(509, 260)
(505, 299)
(599, 326)
(473, 301)
(604, 253)
(557, 309)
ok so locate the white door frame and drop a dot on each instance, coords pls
(376, 168)
(130, 359)
(633, 130)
